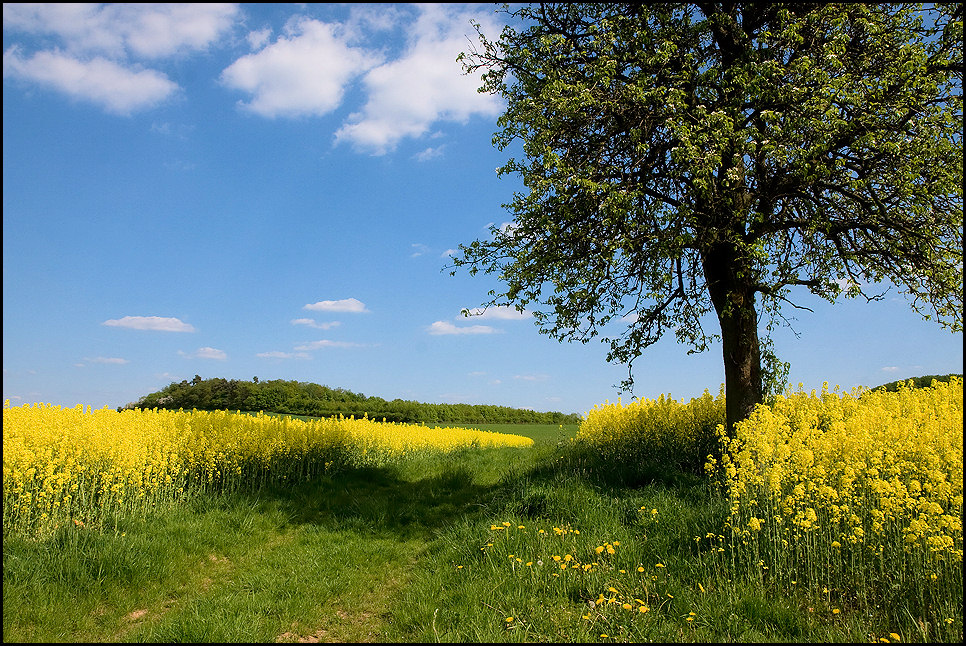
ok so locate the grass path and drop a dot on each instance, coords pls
(323, 561)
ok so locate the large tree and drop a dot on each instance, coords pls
(683, 159)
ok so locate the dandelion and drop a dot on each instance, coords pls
(659, 565)
(895, 637)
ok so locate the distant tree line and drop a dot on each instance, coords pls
(304, 398)
(917, 382)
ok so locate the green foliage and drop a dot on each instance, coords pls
(312, 400)
(916, 382)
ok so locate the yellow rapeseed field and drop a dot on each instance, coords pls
(661, 432)
(80, 465)
(860, 489)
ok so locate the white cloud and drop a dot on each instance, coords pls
(96, 47)
(314, 324)
(156, 323)
(445, 327)
(117, 89)
(449, 253)
(257, 39)
(325, 343)
(110, 360)
(500, 312)
(205, 353)
(283, 355)
(304, 72)
(120, 29)
(890, 369)
(429, 153)
(532, 377)
(344, 305)
(426, 85)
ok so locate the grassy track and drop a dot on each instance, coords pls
(431, 549)
(540, 433)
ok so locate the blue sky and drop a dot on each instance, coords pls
(273, 191)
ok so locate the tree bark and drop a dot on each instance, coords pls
(733, 298)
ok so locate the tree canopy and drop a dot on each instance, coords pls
(688, 159)
(313, 400)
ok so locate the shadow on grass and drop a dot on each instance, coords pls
(386, 502)
(420, 500)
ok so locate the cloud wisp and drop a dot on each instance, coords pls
(117, 361)
(312, 323)
(351, 305)
(153, 323)
(442, 328)
(205, 353)
(283, 355)
(325, 343)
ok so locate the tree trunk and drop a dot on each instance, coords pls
(734, 301)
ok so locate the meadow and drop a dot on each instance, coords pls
(828, 517)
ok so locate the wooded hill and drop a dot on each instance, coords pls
(917, 382)
(304, 398)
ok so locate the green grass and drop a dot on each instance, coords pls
(401, 554)
(540, 433)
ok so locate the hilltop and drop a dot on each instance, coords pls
(314, 400)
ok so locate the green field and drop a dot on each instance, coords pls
(462, 547)
(540, 433)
